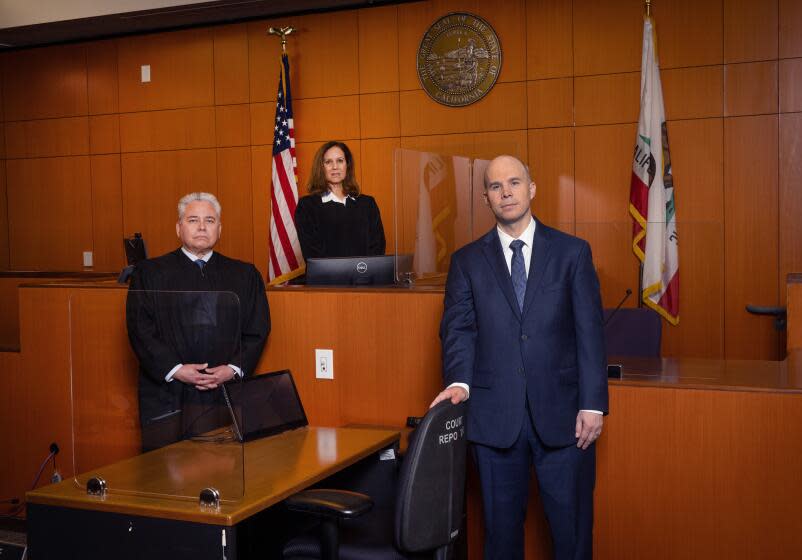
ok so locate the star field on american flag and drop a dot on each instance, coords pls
(282, 126)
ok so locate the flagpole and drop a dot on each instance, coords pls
(648, 8)
(281, 32)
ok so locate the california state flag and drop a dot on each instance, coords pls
(651, 197)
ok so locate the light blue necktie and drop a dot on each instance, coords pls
(201, 263)
(518, 271)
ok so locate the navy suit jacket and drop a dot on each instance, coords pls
(551, 353)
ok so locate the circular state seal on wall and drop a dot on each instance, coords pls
(459, 59)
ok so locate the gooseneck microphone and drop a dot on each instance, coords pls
(617, 307)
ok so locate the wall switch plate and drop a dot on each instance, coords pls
(324, 364)
(145, 71)
(87, 258)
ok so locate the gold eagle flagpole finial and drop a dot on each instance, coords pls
(648, 4)
(281, 32)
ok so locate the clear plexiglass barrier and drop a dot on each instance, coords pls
(140, 433)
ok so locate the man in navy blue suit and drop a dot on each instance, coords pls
(523, 341)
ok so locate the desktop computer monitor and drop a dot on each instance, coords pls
(376, 270)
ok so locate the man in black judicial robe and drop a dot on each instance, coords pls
(196, 320)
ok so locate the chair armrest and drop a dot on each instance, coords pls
(338, 504)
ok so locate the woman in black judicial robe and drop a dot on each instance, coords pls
(335, 219)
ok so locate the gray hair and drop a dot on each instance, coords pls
(195, 196)
(526, 169)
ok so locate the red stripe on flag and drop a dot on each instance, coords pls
(639, 199)
(289, 254)
(670, 299)
(289, 196)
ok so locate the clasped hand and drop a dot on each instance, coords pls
(204, 377)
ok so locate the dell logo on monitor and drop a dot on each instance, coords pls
(361, 267)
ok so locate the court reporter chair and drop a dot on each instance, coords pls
(425, 519)
(632, 331)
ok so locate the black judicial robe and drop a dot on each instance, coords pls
(331, 229)
(177, 313)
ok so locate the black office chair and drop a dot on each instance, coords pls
(426, 518)
(632, 331)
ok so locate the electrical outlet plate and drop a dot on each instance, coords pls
(324, 363)
(145, 73)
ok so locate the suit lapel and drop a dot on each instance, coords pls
(540, 259)
(491, 247)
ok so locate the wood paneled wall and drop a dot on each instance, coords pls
(88, 153)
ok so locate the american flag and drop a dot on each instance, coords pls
(286, 261)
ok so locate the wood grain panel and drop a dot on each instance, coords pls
(378, 181)
(261, 171)
(107, 213)
(603, 166)
(168, 130)
(4, 263)
(791, 85)
(750, 89)
(102, 84)
(507, 17)
(231, 84)
(618, 25)
(794, 302)
(378, 49)
(362, 391)
(40, 393)
(484, 146)
(718, 439)
(236, 197)
(152, 183)
(750, 30)
(697, 163)
(9, 322)
(233, 125)
(326, 118)
(790, 20)
(551, 163)
(689, 33)
(550, 103)
(49, 213)
(48, 138)
(751, 251)
(691, 93)
(504, 108)
(106, 428)
(181, 69)
(697, 159)
(2, 140)
(379, 115)
(104, 134)
(313, 73)
(549, 39)
(790, 198)
(264, 60)
(262, 117)
(607, 99)
(45, 83)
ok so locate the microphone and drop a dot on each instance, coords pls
(617, 307)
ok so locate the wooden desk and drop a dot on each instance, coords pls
(274, 468)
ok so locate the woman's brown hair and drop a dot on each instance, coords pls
(317, 177)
